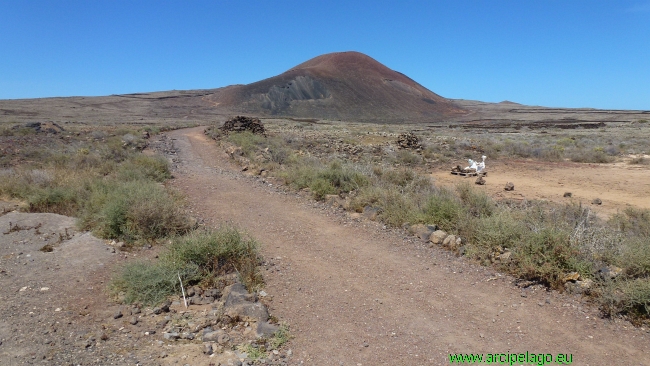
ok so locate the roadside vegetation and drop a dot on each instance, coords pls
(545, 243)
(201, 257)
(101, 176)
(104, 180)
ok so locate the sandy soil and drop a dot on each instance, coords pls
(355, 293)
(617, 185)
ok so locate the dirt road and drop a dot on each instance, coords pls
(357, 294)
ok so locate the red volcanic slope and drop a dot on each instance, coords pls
(342, 85)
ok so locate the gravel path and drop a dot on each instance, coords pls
(355, 293)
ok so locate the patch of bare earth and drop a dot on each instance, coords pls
(355, 293)
(618, 185)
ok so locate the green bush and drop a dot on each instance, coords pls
(445, 210)
(503, 229)
(398, 177)
(61, 200)
(628, 297)
(477, 203)
(546, 256)
(151, 283)
(397, 209)
(321, 187)
(216, 252)
(635, 257)
(333, 179)
(154, 168)
(249, 142)
(634, 221)
(131, 211)
(408, 158)
(198, 257)
(590, 156)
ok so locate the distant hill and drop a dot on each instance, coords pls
(347, 86)
(342, 85)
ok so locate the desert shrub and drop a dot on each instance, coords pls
(640, 160)
(628, 297)
(612, 150)
(635, 257)
(399, 177)
(279, 154)
(408, 158)
(590, 156)
(518, 148)
(397, 208)
(217, 252)
(597, 243)
(445, 210)
(368, 196)
(150, 282)
(113, 150)
(634, 221)
(546, 255)
(503, 229)
(198, 257)
(322, 180)
(553, 153)
(130, 211)
(477, 203)
(154, 168)
(321, 187)
(280, 337)
(248, 141)
(154, 130)
(61, 200)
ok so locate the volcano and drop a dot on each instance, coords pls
(338, 86)
(347, 86)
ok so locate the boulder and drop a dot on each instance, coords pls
(248, 312)
(371, 213)
(449, 242)
(573, 276)
(422, 231)
(213, 336)
(265, 329)
(239, 304)
(437, 237)
(236, 294)
(609, 272)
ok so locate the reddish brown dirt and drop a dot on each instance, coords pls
(618, 185)
(357, 294)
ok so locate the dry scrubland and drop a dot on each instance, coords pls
(100, 175)
(106, 177)
(360, 167)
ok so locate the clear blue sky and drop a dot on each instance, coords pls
(558, 53)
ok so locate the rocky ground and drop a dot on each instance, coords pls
(55, 307)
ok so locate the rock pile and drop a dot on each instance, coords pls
(219, 321)
(241, 124)
(451, 242)
(408, 140)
